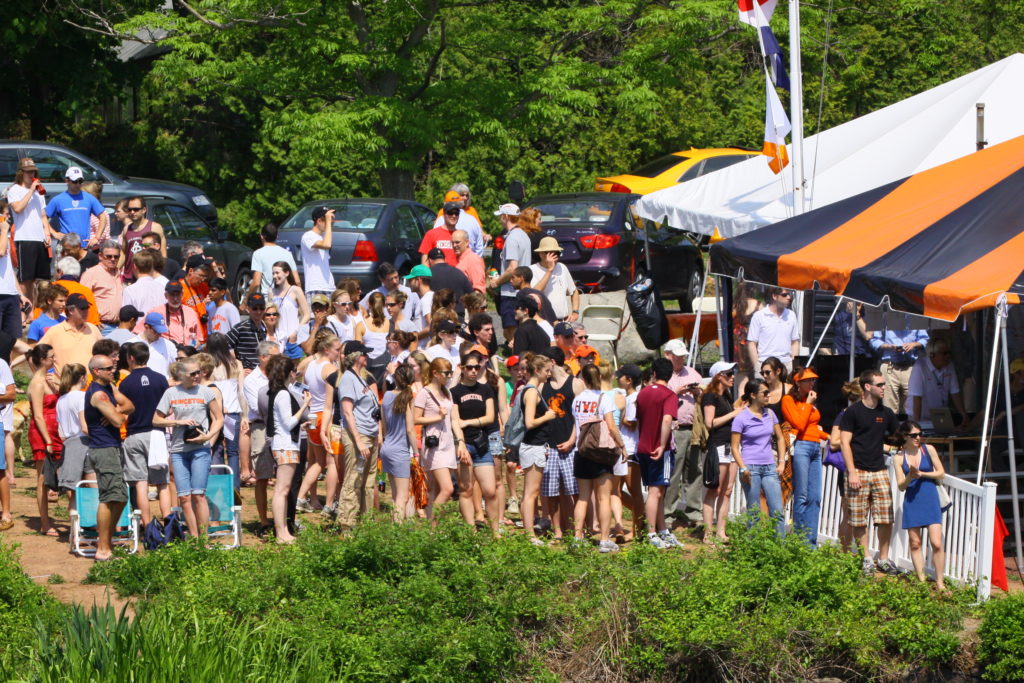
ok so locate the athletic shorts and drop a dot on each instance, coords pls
(507, 311)
(533, 456)
(33, 260)
(656, 472)
(109, 474)
(874, 496)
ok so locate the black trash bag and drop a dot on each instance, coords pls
(648, 312)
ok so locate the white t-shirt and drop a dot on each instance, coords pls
(317, 264)
(28, 225)
(146, 293)
(263, 260)
(162, 353)
(774, 334)
(934, 386)
(251, 386)
(69, 408)
(8, 274)
(548, 329)
(6, 409)
(518, 249)
(439, 351)
(629, 436)
(558, 290)
(471, 226)
(426, 303)
(120, 335)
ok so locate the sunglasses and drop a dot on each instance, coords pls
(914, 435)
(195, 373)
(133, 209)
(729, 373)
(105, 369)
(584, 337)
(471, 367)
(110, 256)
(271, 315)
(763, 393)
(879, 384)
(447, 373)
(452, 213)
(257, 308)
(389, 305)
(343, 303)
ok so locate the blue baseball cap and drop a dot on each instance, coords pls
(156, 321)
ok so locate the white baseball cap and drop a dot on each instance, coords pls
(507, 210)
(74, 174)
(677, 347)
(720, 366)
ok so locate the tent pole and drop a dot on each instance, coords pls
(1012, 451)
(839, 302)
(695, 337)
(989, 392)
(853, 339)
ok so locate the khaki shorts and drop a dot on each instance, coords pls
(874, 496)
(263, 464)
(106, 462)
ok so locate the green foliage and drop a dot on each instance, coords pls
(23, 605)
(1001, 651)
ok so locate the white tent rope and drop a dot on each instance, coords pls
(1001, 313)
(986, 427)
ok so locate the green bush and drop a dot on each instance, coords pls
(1001, 650)
(23, 605)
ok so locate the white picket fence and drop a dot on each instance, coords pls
(967, 527)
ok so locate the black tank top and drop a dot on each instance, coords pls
(559, 399)
(538, 436)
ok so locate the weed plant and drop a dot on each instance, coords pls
(1001, 650)
(25, 608)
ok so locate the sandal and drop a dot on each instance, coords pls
(6, 524)
(51, 532)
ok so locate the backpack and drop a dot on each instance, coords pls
(515, 427)
(597, 444)
(161, 532)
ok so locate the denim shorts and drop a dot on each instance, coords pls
(495, 445)
(191, 471)
(483, 459)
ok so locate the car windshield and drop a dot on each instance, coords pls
(347, 216)
(658, 166)
(575, 211)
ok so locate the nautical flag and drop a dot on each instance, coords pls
(772, 51)
(776, 128)
(747, 15)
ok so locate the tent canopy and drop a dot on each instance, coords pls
(942, 241)
(919, 133)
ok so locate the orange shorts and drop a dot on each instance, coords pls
(314, 435)
(314, 432)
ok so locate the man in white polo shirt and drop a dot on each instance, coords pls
(774, 331)
(933, 384)
(316, 254)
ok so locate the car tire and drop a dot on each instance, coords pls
(693, 283)
(242, 279)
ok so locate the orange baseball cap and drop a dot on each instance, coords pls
(584, 350)
(479, 348)
(452, 196)
(806, 373)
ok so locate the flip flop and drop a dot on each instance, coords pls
(51, 532)
(4, 526)
(103, 559)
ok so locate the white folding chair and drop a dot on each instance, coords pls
(604, 324)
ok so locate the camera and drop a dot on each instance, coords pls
(376, 413)
(191, 432)
(432, 441)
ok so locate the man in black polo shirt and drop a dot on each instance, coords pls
(529, 335)
(247, 335)
(443, 276)
(863, 430)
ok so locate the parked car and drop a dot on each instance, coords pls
(182, 224)
(600, 233)
(53, 161)
(367, 232)
(673, 169)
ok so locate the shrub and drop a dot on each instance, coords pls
(1001, 650)
(23, 605)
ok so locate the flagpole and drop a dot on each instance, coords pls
(796, 105)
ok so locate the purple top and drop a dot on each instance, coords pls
(755, 436)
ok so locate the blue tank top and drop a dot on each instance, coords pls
(102, 434)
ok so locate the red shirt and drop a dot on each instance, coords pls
(653, 403)
(440, 238)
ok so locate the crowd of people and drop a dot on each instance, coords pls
(144, 373)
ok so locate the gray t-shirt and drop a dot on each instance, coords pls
(518, 249)
(187, 404)
(365, 402)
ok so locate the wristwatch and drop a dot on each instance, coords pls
(743, 470)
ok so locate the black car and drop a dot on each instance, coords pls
(181, 224)
(600, 233)
(53, 162)
(367, 232)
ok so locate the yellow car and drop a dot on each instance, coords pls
(673, 169)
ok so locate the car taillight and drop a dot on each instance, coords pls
(499, 243)
(364, 251)
(599, 241)
(616, 187)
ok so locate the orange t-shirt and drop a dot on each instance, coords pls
(77, 288)
(804, 418)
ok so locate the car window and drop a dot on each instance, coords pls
(717, 163)
(574, 211)
(404, 226)
(659, 166)
(691, 173)
(347, 216)
(8, 165)
(53, 165)
(427, 217)
(184, 223)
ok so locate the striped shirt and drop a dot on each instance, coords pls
(244, 338)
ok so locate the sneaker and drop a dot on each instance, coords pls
(867, 566)
(302, 505)
(656, 541)
(608, 547)
(327, 511)
(536, 541)
(512, 507)
(889, 567)
(541, 526)
(669, 540)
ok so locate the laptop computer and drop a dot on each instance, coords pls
(942, 421)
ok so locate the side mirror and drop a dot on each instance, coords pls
(610, 272)
(222, 235)
(516, 192)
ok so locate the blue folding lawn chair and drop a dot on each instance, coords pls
(225, 516)
(84, 536)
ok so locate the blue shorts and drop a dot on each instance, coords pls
(480, 459)
(191, 471)
(507, 311)
(656, 472)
